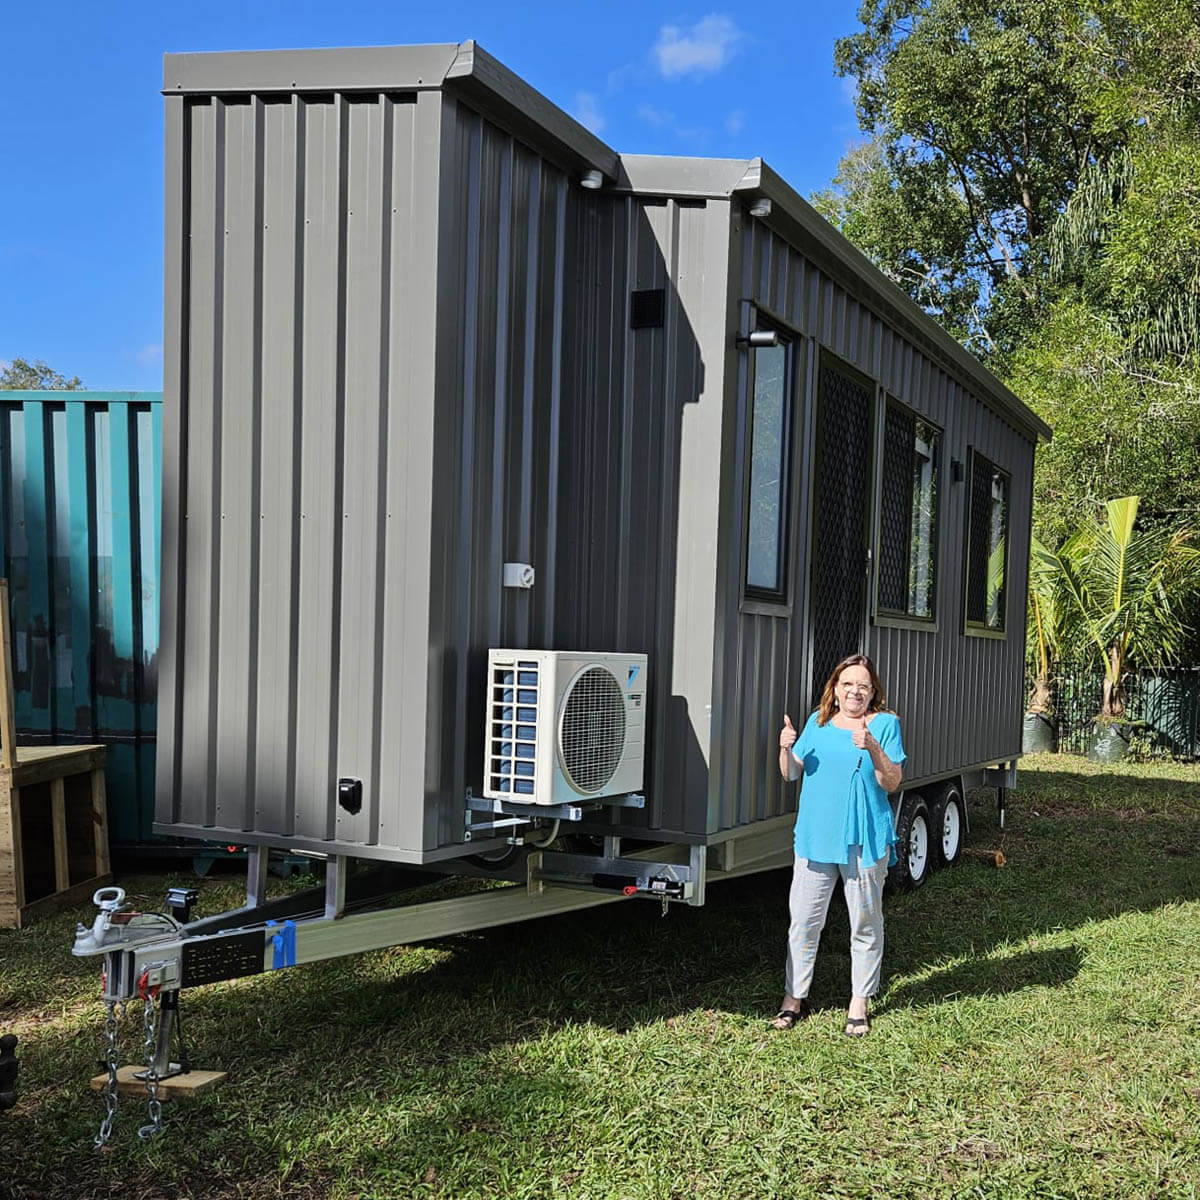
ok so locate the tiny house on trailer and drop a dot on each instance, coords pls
(514, 487)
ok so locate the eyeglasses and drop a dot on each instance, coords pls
(859, 689)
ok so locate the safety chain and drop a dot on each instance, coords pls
(150, 1026)
(110, 1061)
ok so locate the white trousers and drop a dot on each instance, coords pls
(808, 902)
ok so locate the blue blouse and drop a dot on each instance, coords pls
(841, 802)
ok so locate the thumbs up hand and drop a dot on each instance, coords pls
(788, 734)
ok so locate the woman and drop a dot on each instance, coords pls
(849, 755)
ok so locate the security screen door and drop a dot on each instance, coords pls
(841, 498)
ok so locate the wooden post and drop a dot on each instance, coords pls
(100, 821)
(58, 818)
(12, 866)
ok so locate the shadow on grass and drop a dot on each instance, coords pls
(993, 976)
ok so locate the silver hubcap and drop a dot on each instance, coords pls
(951, 831)
(918, 848)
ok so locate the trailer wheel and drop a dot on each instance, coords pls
(912, 844)
(949, 824)
(495, 860)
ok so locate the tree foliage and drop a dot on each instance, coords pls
(1124, 590)
(980, 109)
(25, 375)
(1032, 177)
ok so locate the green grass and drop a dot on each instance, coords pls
(1037, 1037)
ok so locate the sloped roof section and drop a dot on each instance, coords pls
(800, 224)
(461, 68)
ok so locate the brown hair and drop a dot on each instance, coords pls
(878, 698)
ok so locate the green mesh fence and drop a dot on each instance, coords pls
(1166, 703)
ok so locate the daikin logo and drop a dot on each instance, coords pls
(632, 678)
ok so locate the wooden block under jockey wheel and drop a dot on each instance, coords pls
(177, 1087)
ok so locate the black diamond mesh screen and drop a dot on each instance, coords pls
(842, 489)
(593, 730)
(895, 524)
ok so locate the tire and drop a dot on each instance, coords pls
(495, 860)
(912, 844)
(948, 825)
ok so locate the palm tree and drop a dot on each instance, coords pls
(1048, 612)
(1126, 589)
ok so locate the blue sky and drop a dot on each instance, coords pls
(81, 125)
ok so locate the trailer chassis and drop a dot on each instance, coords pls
(153, 957)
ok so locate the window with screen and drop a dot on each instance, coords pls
(767, 493)
(907, 580)
(987, 547)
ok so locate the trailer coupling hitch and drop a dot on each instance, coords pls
(117, 926)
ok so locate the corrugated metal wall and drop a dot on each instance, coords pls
(373, 341)
(498, 428)
(641, 452)
(955, 693)
(79, 542)
(298, 244)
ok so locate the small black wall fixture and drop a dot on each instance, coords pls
(350, 795)
(958, 472)
(647, 308)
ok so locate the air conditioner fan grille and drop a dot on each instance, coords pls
(592, 730)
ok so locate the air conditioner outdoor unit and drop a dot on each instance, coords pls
(563, 725)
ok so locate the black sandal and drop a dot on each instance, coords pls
(857, 1027)
(789, 1018)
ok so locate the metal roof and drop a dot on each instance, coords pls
(794, 219)
(464, 68)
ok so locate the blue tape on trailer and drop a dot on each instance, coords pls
(284, 944)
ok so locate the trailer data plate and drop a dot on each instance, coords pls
(209, 960)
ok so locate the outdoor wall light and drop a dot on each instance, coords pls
(958, 471)
(758, 337)
(760, 207)
(592, 180)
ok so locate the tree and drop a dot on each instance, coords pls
(982, 109)
(1047, 625)
(997, 130)
(23, 375)
(1119, 428)
(1127, 590)
(1033, 180)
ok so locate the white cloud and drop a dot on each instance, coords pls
(147, 356)
(659, 118)
(619, 78)
(735, 122)
(586, 110)
(699, 50)
(663, 119)
(850, 90)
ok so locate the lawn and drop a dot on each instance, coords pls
(1037, 1036)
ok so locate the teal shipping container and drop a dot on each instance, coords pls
(79, 543)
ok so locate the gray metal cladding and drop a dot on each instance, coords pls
(371, 406)
(640, 460)
(296, 646)
(500, 394)
(959, 696)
